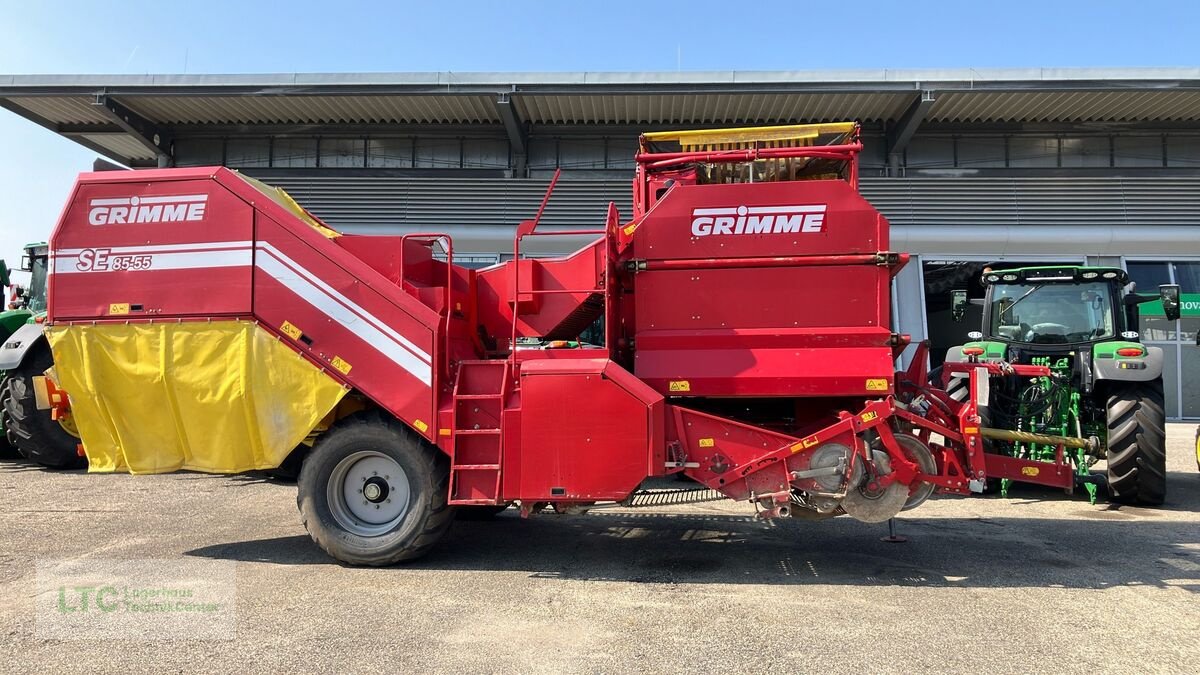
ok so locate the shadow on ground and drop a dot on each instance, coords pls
(1087, 547)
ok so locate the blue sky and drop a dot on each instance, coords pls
(304, 36)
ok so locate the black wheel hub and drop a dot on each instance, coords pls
(375, 490)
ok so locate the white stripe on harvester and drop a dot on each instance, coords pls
(342, 310)
(175, 260)
(123, 250)
(377, 334)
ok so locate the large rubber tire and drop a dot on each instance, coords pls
(38, 437)
(1137, 444)
(289, 470)
(7, 449)
(426, 477)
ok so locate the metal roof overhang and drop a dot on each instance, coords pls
(121, 116)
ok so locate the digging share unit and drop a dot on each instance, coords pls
(201, 320)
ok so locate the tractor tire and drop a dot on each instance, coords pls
(289, 470)
(38, 437)
(373, 493)
(7, 449)
(1137, 444)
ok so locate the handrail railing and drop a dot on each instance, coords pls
(516, 294)
(447, 294)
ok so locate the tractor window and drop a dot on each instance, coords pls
(1051, 313)
(37, 285)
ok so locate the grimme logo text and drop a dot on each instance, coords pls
(164, 209)
(758, 220)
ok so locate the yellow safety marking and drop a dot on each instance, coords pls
(1030, 471)
(341, 365)
(630, 229)
(750, 134)
(804, 444)
(443, 432)
(679, 385)
(118, 308)
(869, 415)
(970, 430)
(706, 442)
(421, 426)
(877, 384)
(289, 329)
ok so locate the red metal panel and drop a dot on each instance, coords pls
(761, 298)
(831, 371)
(380, 342)
(583, 437)
(151, 249)
(832, 218)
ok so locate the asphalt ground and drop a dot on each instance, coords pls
(1036, 582)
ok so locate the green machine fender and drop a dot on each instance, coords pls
(1108, 365)
(19, 344)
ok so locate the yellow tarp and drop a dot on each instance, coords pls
(219, 397)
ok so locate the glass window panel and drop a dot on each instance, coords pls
(1085, 151)
(1026, 152)
(342, 153)
(248, 152)
(581, 153)
(485, 153)
(199, 152)
(930, 152)
(1148, 275)
(1183, 150)
(1187, 275)
(1171, 379)
(1191, 375)
(974, 152)
(1137, 151)
(438, 153)
(391, 153)
(541, 153)
(874, 154)
(295, 152)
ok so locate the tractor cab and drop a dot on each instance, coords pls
(1038, 311)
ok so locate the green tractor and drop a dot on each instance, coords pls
(27, 418)
(1104, 386)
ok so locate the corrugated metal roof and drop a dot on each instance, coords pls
(122, 145)
(709, 107)
(594, 98)
(426, 108)
(1066, 106)
(64, 109)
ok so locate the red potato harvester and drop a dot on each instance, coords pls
(736, 331)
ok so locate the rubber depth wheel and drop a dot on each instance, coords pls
(371, 492)
(38, 437)
(1137, 444)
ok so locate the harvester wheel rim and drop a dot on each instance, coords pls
(369, 493)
